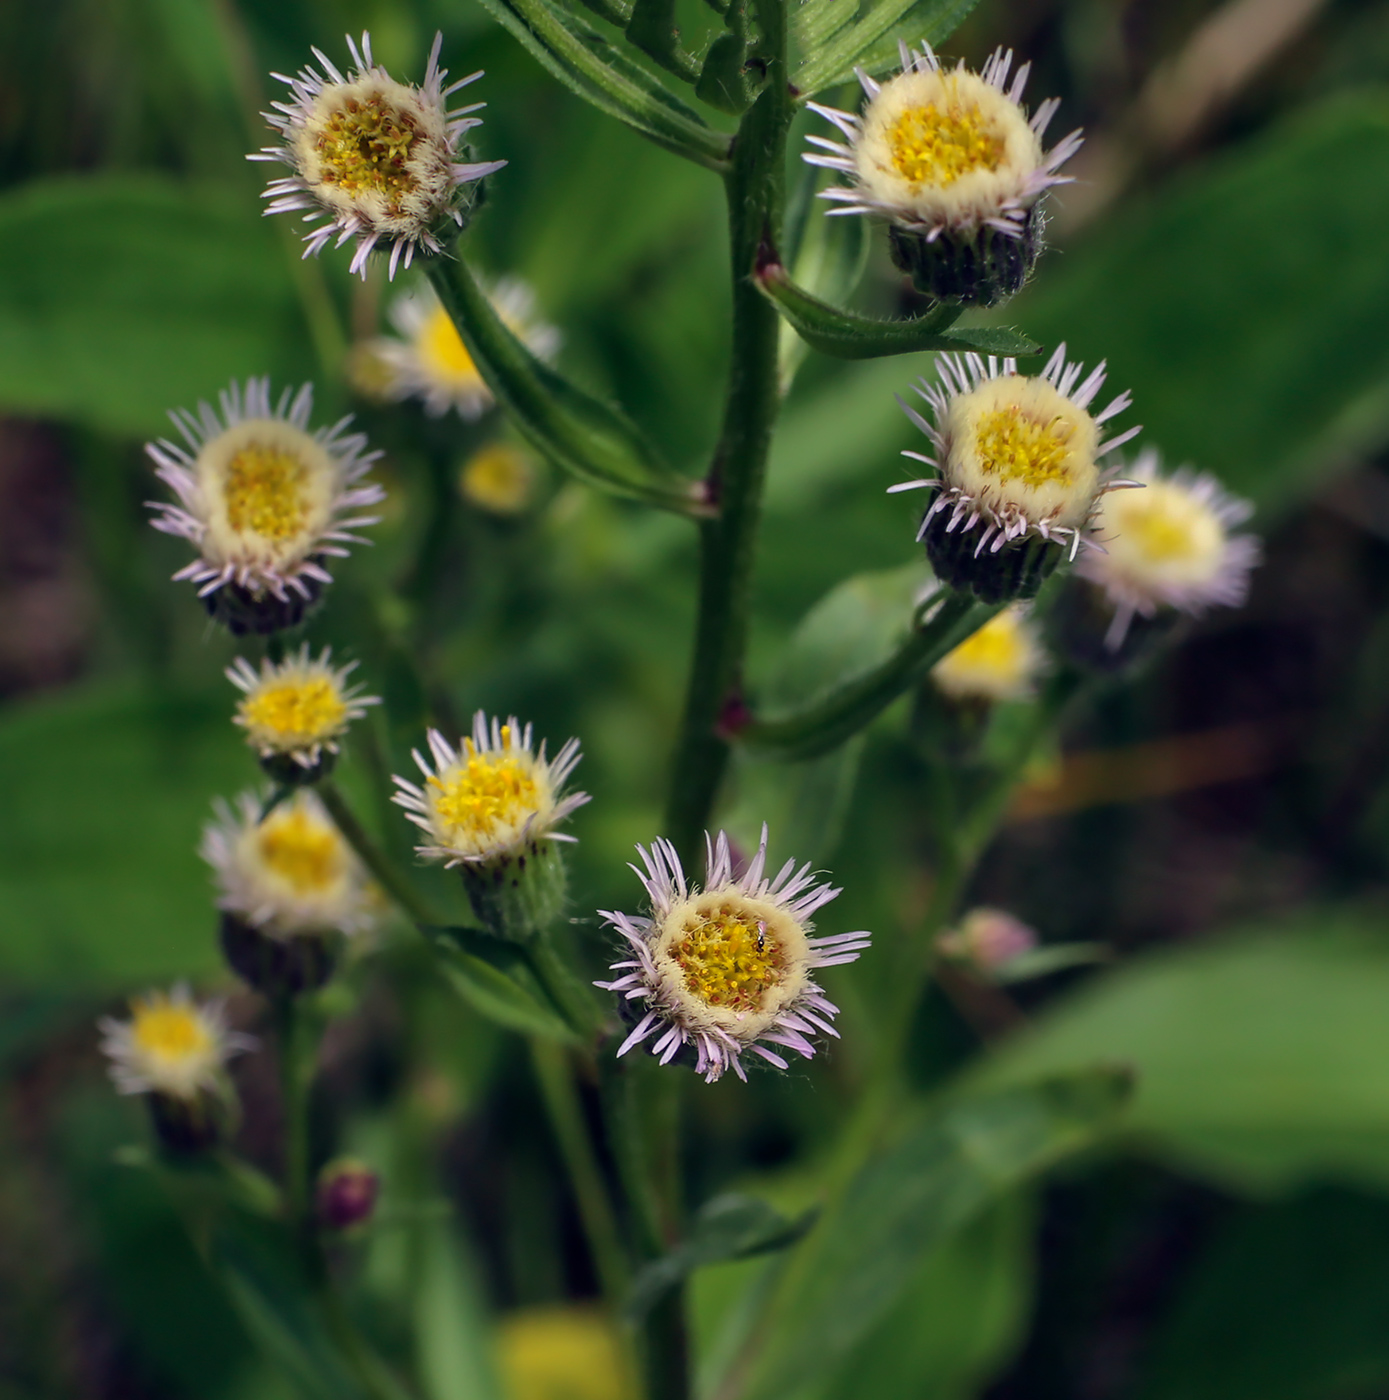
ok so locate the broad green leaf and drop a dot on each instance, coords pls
(1253, 340)
(585, 436)
(946, 1168)
(847, 335)
(835, 39)
(728, 1227)
(1262, 1058)
(132, 295)
(957, 1322)
(452, 1341)
(496, 980)
(107, 790)
(600, 73)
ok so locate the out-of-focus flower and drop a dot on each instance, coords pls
(374, 159)
(1169, 546)
(728, 969)
(294, 711)
(430, 361)
(1018, 476)
(952, 160)
(499, 478)
(998, 662)
(561, 1353)
(171, 1045)
(263, 500)
(987, 939)
(345, 1194)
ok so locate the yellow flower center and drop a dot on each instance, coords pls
(729, 958)
(304, 852)
(298, 712)
(932, 146)
(1163, 534)
(365, 145)
(487, 791)
(996, 649)
(1019, 447)
(169, 1032)
(265, 492)
(498, 478)
(442, 349)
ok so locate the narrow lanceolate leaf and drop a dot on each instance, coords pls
(581, 434)
(728, 1227)
(651, 28)
(600, 73)
(496, 980)
(849, 336)
(871, 1242)
(836, 37)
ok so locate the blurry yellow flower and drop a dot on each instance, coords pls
(498, 478)
(561, 1353)
(999, 662)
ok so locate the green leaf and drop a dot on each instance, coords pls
(728, 1227)
(451, 1335)
(1251, 336)
(107, 789)
(137, 294)
(947, 1167)
(495, 978)
(1054, 957)
(1262, 1057)
(600, 73)
(850, 336)
(835, 38)
(591, 439)
(651, 28)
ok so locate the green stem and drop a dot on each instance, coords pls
(555, 1077)
(755, 187)
(297, 1056)
(373, 857)
(572, 997)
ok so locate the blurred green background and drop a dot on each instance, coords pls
(1222, 823)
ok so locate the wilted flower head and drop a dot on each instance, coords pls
(728, 969)
(297, 708)
(373, 159)
(950, 158)
(998, 662)
(263, 500)
(431, 362)
(291, 873)
(1169, 546)
(491, 798)
(171, 1045)
(1017, 462)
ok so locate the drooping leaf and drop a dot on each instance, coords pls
(855, 1264)
(1262, 1058)
(131, 295)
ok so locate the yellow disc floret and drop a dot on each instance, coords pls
(296, 714)
(365, 145)
(729, 957)
(303, 851)
(498, 478)
(936, 146)
(1163, 533)
(264, 492)
(169, 1033)
(488, 797)
(442, 350)
(999, 662)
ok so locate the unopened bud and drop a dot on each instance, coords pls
(987, 939)
(346, 1194)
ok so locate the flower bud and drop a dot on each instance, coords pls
(986, 940)
(345, 1195)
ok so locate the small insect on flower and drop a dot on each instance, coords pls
(374, 159)
(728, 969)
(289, 874)
(171, 1045)
(294, 711)
(1169, 546)
(430, 361)
(1017, 478)
(493, 797)
(951, 159)
(1000, 661)
(264, 500)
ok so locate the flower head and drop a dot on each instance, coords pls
(951, 159)
(728, 969)
(431, 362)
(998, 662)
(372, 158)
(263, 499)
(499, 478)
(1017, 460)
(491, 798)
(297, 708)
(289, 874)
(171, 1045)
(1169, 546)
(987, 939)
